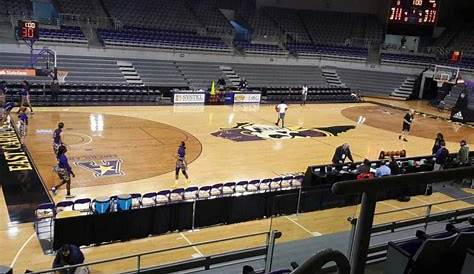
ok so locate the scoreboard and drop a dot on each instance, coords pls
(417, 12)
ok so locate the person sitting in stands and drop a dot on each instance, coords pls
(243, 84)
(341, 153)
(441, 157)
(364, 167)
(394, 167)
(68, 255)
(463, 154)
(383, 170)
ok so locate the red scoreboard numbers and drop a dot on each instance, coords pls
(423, 12)
(28, 30)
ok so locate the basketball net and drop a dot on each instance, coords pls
(62, 76)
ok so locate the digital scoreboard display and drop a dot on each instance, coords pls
(28, 30)
(417, 12)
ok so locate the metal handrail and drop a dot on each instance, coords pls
(421, 206)
(139, 255)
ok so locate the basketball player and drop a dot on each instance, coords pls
(64, 172)
(57, 140)
(281, 109)
(22, 124)
(6, 112)
(25, 96)
(407, 122)
(304, 95)
(181, 162)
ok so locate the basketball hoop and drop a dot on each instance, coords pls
(62, 74)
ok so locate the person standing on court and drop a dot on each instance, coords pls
(281, 109)
(304, 94)
(440, 157)
(181, 163)
(25, 96)
(57, 139)
(22, 124)
(437, 144)
(64, 171)
(407, 122)
(342, 152)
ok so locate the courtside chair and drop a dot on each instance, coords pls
(286, 182)
(163, 197)
(253, 185)
(44, 211)
(216, 190)
(149, 199)
(228, 188)
(136, 198)
(265, 184)
(276, 183)
(241, 187)
(190, 193)
(64, 205)
(82, 205)
(204, 192)
(177, 195)
(102, 205)
(297, 181)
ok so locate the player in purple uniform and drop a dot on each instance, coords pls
(64, 172)
(25, 96)
(57, 139)
(22, 125)
(181, 161)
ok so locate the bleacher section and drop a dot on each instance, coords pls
(210, 16)
(465, 40)
(17, 7)
(159, 73)
(65, 34)
(259, 76)
(310, 49)
(140, 37)
(289, 22)
(86, 8)
(200, 74)
(372, 83)
(262, 27)
(259, 48)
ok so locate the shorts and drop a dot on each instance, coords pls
(406, 127)
(56, 148)
(63, 174)
(23, 131)
(282, 116)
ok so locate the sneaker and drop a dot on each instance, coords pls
(276, 124)
(53, 189)
(405, 140)
(399, 137)
(70, 196)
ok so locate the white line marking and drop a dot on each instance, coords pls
(304, 228)
(399, 208)
(21, 249)
(190, 243)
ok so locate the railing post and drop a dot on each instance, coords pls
(299, 200)
(138, 263)
(194, 215)
(353, 222)
(274, 234)
(428, 214)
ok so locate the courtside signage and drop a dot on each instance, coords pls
(247, 98)
(189, 98)
(18, 72)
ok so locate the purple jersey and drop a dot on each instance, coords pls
(57, 136)
(63, 163)
(181, 152)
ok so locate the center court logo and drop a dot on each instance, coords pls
(244, 132)
(103, 168)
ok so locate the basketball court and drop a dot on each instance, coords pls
(115, 150)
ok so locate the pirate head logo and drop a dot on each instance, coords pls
(106, 168)
(244, 132)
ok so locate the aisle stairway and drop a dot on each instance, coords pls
(405, 91)
(332, 78)
(130, 73)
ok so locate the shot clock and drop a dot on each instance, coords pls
(28, 30)
(417, 12)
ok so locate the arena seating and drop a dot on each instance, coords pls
(18, 7)
(159, 73)
(464, 41)
(139, 37)
(418, 255)
(289, 22)
(262, 27)
(200, 74)
(86, 8)
(258, 48)
(65, 34)
(259, 76)
(317, 94)
(210, 16)
(310, 49)
(373, 83)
